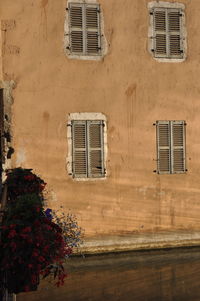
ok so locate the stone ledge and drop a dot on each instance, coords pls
(143, 241)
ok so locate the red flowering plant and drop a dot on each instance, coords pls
(33, 241)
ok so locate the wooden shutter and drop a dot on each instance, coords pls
(79, 158)
(178, 146)
(95, 149)
(160, 33)
(76, 28)
(174, 28)
(163, 146)
(92, 18)
(167, 28)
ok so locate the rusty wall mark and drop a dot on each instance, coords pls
(6, 48)
(8, 24)
(11, 50)
(158, 198)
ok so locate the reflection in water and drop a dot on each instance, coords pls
(170, 275)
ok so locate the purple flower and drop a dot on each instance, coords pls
(48, 213)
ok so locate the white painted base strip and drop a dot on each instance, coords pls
(143, 241)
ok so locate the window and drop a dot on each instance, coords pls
(84, 29)
(171, 147)
(87, 145)
(167, 32)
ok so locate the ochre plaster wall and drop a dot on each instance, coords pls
(130, 88)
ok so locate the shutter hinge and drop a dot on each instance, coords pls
(67, 8)
(69, 124)
(155, 171)
(98, 10)
(180, 15)
(153, 50)
(151, 13)
(186, 169)
(154, 124)
(185, 123)
(68, 47)
(181, 51)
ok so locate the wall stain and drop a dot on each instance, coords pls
(172, 214)
(130, 118)
(130, 90)
(46, 117)
(44, 3)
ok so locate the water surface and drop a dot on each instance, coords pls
(170, 275)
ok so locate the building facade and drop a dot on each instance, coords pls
(101, 99)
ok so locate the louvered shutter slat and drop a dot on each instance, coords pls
(174, 21)
(161, 44)
(174, 33)
(175, 45)
(178, 147)
(76, 28)
(76, 18)
(92, 17)
(160, 33)
(163, 141)
(95, 148)
(160, 21)
(93, 29)
(79, 149)
(164, 160)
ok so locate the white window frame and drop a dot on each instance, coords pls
(67, 32)
(171, 147)
(175, 6)
(87, 117)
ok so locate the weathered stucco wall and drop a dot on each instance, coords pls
(130, 88)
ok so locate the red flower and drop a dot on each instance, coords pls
(24, 236)
(45, 249)
(26, 288)
(37, 209)
(35, 253)
(33, 279)
(41, 259)
(42, 186)
(12, 226)
(29, 177)
(13, 245)
(12, 234)
(36, 223)
(26, 230)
